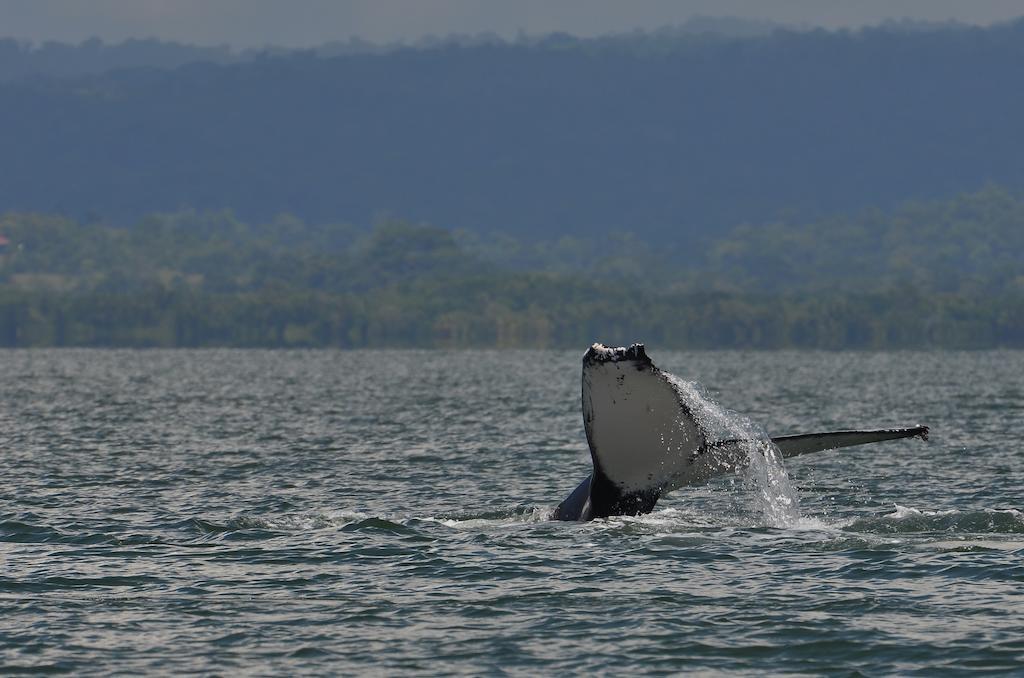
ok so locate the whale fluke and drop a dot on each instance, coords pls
(645, 440)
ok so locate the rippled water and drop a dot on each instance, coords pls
(325, 512)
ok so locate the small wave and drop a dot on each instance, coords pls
(297, 523)
(255, 527)
(378, 525)
(683, 521)
(513, 516)
(976, 546)
(63, 583)
(348, 521)
(672, 519)
(18, 531)
(279, 523)
(21, 532)
(811, 524)
(904, 519)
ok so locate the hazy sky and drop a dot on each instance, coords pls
(307, 22)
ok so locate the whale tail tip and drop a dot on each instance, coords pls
(599, 353)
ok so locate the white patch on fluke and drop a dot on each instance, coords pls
(641, 435)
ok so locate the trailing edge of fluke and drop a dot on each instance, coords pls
(645, 440)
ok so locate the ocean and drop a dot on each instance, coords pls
(386, 512)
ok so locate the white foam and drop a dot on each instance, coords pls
(901, 512)
(534, 515)
(300, 522)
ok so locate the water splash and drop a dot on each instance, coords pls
(761, 470)
(767, 475)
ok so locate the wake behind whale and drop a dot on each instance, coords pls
(650, 432)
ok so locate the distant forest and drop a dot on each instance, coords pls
(937, 274)
(669, 136)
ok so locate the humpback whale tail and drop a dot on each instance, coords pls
(646, 439)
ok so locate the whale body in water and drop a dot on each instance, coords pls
(646, 440)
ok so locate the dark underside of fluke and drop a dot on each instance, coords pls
(645, 442)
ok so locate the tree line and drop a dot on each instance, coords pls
(937, 274)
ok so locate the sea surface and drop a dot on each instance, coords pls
(385, 512)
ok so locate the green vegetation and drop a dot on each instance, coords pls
(944, 274)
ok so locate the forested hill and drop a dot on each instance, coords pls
(664, 136)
